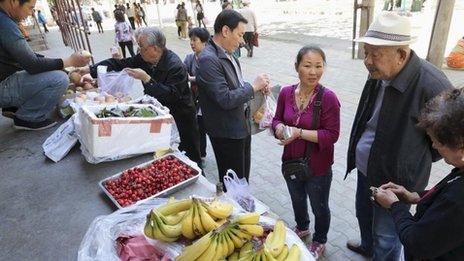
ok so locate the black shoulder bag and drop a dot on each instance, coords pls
(298, 169)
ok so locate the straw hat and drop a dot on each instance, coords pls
(389, 29)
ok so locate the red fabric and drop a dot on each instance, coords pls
(137, 248)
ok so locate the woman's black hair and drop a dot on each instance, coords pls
(199, 32)
(306, 49)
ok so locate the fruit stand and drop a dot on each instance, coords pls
(194, 224)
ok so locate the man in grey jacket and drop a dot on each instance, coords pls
(385, 144)
(224, 95)
(30, 84)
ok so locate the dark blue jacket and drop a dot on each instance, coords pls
(222, 97)
(401, 152)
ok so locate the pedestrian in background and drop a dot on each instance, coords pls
(312, 112)
(130, 15)
(198, 39)
(97, 19)
(385, 143)
(251, 27)
(142, 14)
(200, 14)
(124, 35)
(178, 23)
(225, 96)
(137, 15)
(181, 20)
(42, 20)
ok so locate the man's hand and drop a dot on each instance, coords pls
(77, 60)
(138, 74)
(385, 197)
(261, 82)
(82, 70)
(402, 193)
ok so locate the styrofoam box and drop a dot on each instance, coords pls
(114, 136)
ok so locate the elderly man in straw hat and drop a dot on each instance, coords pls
(385, 144)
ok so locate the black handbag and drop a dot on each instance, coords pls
(298, 169)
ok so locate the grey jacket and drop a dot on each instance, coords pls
(401, 152)
(222, 98)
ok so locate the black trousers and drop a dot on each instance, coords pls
(186, 121)
(100, 27)
(232, 154)
(247, 37)
(132, 22)
(130, 47)
(201, 128)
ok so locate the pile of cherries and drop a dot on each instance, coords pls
(140, 183)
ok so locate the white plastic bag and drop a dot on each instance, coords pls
(238, 190)
(114, 82)
(99, 242)
(270, 106)
(61, 141)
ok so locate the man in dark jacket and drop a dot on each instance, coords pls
(224, 95)
(97, 19)
(385, 144)
(165, 78)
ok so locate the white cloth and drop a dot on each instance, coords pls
(249, 14)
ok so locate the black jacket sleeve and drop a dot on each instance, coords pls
(438, 231)
(170, 90)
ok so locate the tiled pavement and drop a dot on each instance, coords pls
(276, 56)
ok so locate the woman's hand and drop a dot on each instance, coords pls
(279, 131)
(295, 135)
(138, 74)
(385, 197)
(402, 193)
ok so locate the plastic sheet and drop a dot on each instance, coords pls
(238, 190)
(99, 242)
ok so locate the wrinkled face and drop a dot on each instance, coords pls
(150, 54)
(196, 44)
(382, 62)
(20, 12)
(451, 156)
(233, 38)
(310, 69)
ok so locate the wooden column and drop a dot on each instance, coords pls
(440, 31)
(367, 17)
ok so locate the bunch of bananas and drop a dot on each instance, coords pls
(222, 241)
(274, 248)
(188, 217)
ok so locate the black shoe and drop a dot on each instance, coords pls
(28, 125)
(9, 112)
(356, 247)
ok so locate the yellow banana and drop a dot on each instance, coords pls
(175, 218)
(196, 249)
(147, 229)
(158, 234)
(168, 230)
(233, 257)
(238, 242)
(241, 234)
(267, 255)
(207, 221)
(187, 225)
(245, 250)
(175, 207)
(220, 222)
(219, 210)
(209, 253)
(171, 200)
(219, 249)
(277, 241)
(247, 219)
(254, 230)
(293, 253)
(230, 247)
(283, 255)
(197, 226)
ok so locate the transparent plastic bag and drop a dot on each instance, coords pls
(118, 82)
(99, 242)
(269, 108)
(238, 189)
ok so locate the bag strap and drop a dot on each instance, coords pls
(316, 113)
